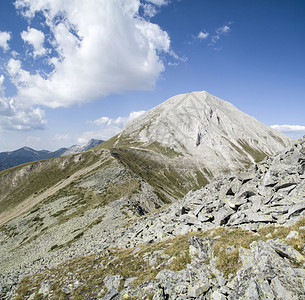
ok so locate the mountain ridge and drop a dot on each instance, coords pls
(26, 154)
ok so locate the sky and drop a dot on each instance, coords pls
(79, 69)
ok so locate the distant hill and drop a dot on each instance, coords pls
(26, 154)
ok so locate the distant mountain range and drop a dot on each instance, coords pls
(25, 154)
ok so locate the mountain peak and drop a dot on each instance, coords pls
(207, 128)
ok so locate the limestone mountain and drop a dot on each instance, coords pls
(82, 148)
(202, 128)
(94, 207)
(25, 154)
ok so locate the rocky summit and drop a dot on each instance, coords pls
(141, 217)
(206, 129)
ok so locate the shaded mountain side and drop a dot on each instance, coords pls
(21, 156)
(26, 154)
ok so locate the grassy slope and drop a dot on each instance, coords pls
(160, 166)
(170, 179)
(20, 182)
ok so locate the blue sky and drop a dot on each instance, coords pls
(74, 70)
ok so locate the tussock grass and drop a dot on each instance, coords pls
(173, 254)
(169, 181)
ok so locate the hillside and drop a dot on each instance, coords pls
(77, 211)
(24, 155)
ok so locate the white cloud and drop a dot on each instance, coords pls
(2, 88)
(102, 47)
(224, 30)
(202, 35)
(149, 10)
(36, 39)
(14, 54)
(294, 131)
(107, 127)
(158, 2)
(4, 38)
(15, 115)
(288, 128)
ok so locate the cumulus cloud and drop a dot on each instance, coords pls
(101, 47)
(202, 35)
(107, 127)
(35, 38)
(16, 116)
(4, 38)
(2, 88)
(294, 131)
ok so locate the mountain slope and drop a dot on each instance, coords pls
(211, 131)
(119, 194)
(239, 237)
(26, 154)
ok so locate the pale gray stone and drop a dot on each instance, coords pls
(292, 235)
(112, 281)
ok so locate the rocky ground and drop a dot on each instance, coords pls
(240, 237)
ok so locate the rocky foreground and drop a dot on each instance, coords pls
(240, 237)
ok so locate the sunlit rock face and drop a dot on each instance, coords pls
(211, 130)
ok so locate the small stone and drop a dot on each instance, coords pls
(292, 235)
(203, 247)
(128, 281)
(112, 281)
(197, 290)
(230, 249)
(111, 294)
(216, 295)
